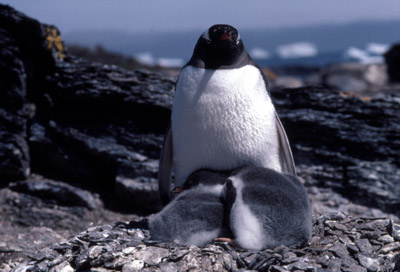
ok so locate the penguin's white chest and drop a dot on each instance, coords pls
(222, 119)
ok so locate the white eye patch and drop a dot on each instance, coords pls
(206, 36)
(238, 38)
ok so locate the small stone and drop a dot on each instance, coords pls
(364, 246)
(133, 266)
(129, 250)
(169, 267)
(275, 268)
(227, 261)
(323, 260)
(190, 262)
(176, 255)
(62, 267)
(371, 235)
(334, 265)
(95, 251)
(371, 264)
(339, 250)
(353, 249)
(301, 265)
(117, 262)
(340, 227)
(386, 239)
(152, 255)
(290, 260)
(354, 268)
(389, 247)
(249, 258)
(139, 235)
(332, 216)
(395, 231)
(381, 223)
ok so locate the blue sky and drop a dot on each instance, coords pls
(163, 15)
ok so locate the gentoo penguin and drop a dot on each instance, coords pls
(222, 115)
(195, 216)
(267, 209)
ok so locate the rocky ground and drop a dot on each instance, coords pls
(79, 147)
(340, 243)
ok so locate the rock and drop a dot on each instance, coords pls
(56, 192)
(19, 242)
(133, 266)
(329, 253)
(14, 153)
(354, 77)
(364, 246)
(287, 82)
(371, 264)
(99, 128)
(354, 153)
(392, 59)
(140, 192)
(63, 89)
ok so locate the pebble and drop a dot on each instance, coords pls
(339, 244)
(364, 246)
(389, 247)
(386, 239)
(371, 264)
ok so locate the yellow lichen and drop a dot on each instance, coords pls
(54, 41)
(351, 94)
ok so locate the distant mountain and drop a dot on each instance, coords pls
(330, 41)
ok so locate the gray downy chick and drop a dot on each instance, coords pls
(196, 215)
(267, 209)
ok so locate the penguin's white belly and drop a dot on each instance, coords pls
(222, 119)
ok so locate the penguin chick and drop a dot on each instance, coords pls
(267, 209)
(196, 215)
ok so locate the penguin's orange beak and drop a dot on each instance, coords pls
(177, 190)
(225, 36)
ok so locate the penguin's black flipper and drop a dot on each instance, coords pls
(165, 167)
(285, 153)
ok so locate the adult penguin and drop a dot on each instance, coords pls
(222, 115)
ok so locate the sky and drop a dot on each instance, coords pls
(176, 15)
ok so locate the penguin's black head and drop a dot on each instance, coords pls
(219, 47)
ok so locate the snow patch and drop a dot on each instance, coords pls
(145, 58)
(170, 62)
(259, 53)
(362, 56)
(297, 50)
(377, 48)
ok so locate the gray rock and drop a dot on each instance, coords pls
(140, 192)
(354, 78)
(108, 247)
(371, 264)
(57, 192)
(364, 246)
(100, 125)
(287, 82)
